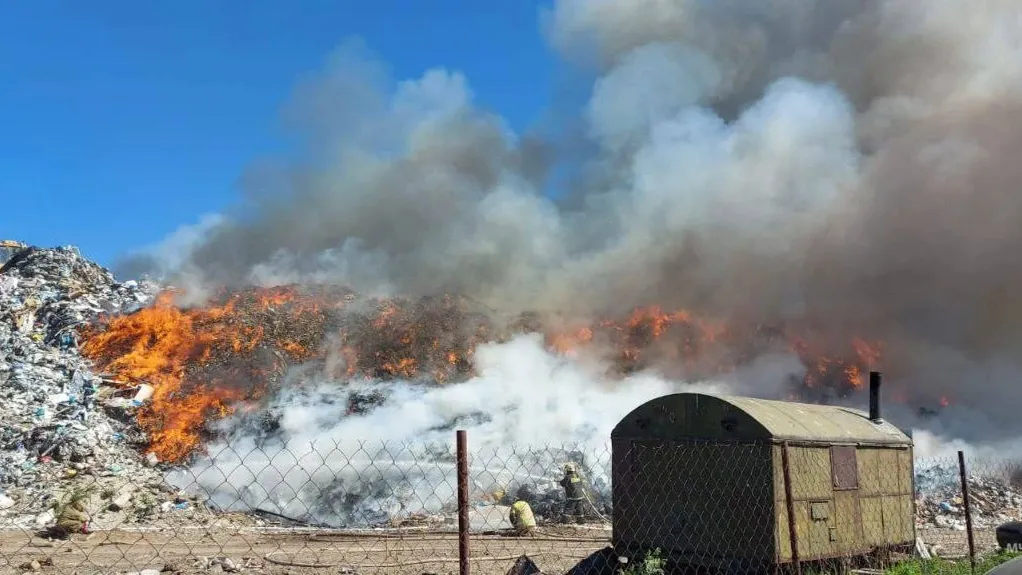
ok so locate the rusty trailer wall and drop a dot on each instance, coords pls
(848, 500)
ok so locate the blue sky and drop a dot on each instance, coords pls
(122, 120)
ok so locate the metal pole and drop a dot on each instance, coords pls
(792, 529)
(912, 458)
(968, 509)
(463, 541)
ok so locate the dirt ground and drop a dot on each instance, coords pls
(300, 552)
(292, 552)
(955, 543)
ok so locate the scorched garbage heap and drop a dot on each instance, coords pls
(206, 362)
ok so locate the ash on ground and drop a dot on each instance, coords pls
(66, 432)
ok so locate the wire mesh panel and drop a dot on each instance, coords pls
(641, 507)
(701, 504)
(565, 487)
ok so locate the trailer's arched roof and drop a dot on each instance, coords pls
(685, 416)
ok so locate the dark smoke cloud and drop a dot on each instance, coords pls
(852, 163)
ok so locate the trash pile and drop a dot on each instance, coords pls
(65, 433)
(939, 502)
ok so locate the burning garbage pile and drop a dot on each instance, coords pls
(55, 437)
(690, 348)
(994, 499)
(207, 362)
(110, 379)
(200, 363)
(204, 363)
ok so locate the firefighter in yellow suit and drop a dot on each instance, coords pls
(523, 522)
(71, 519)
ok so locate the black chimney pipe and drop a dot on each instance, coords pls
(874, 397)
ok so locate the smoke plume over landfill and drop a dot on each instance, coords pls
(843, 167)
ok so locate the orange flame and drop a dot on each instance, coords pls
(168, 347)
(845, 371)
(205, 363)
(706, 347)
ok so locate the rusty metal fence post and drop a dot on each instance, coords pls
(463, 526)
(792, 526)
(968, 509)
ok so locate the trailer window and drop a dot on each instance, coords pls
(844, 467)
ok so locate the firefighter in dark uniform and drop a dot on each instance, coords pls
(573, 493)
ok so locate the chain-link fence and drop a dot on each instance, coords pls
(370, 507)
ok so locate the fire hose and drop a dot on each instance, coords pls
(593, 506)
(488, 536)
(269, 558)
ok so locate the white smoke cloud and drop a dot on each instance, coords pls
(172, 253)
(651, 85)
(525, 413)
(616, 27)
